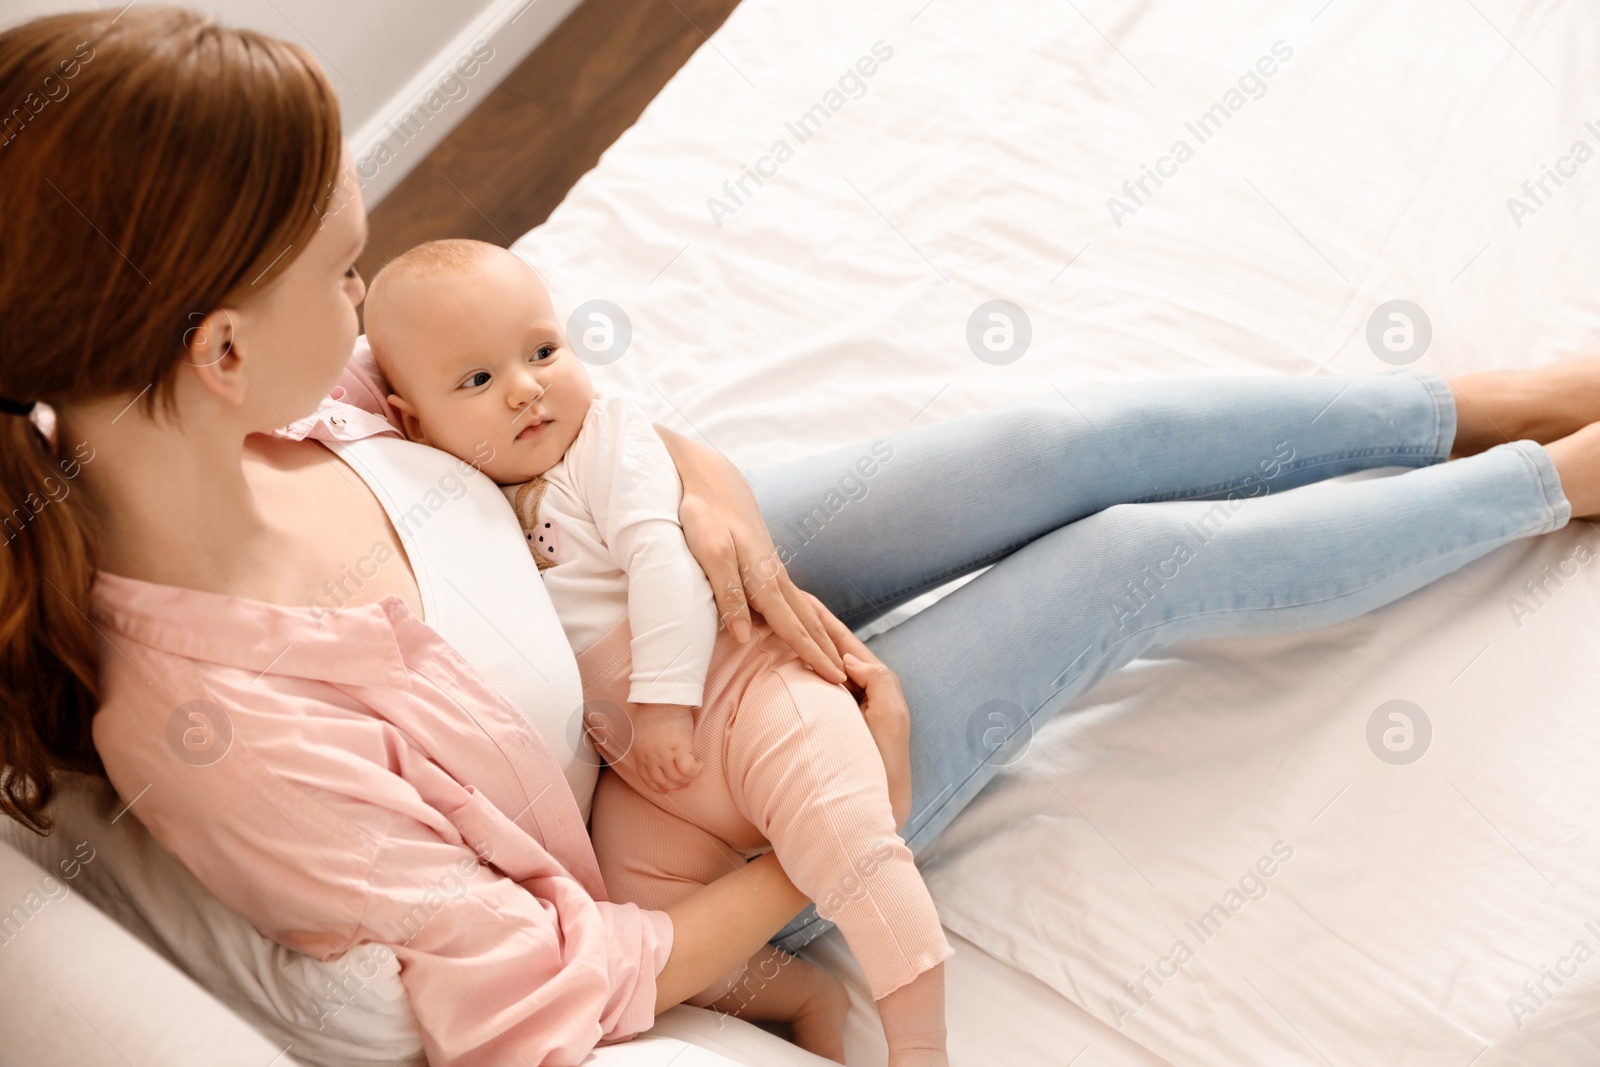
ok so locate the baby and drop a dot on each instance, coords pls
(720, 750)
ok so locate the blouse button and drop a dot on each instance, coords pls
(338, 421)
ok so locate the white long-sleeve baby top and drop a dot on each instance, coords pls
(608, 518)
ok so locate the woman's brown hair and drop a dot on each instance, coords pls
(154, 166)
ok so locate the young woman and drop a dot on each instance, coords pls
(179, 295)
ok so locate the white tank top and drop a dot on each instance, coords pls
(481, 588)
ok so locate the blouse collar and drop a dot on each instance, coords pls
(355, 408)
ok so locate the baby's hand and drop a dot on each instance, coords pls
(662, 734)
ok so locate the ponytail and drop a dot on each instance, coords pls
(48, 683)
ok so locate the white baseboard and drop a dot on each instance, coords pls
(429, 106)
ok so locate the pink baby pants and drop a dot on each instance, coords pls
(788, 762)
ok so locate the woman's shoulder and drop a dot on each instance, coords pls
(191, 700)
(177, 753)
(216, 740)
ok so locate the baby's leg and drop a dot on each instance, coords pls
(807, 773)
(913, 1021)
(654, 859)
(650, 857)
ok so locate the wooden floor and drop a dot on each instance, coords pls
(509, 163)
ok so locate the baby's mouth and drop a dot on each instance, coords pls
(533, 429)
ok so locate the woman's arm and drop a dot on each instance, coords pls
(728, 537)
(716, 928)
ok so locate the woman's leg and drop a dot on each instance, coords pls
(986, 666)
(870, 526)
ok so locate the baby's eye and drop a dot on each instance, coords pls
(477, 379)
(543, 352)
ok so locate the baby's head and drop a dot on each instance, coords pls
(466, 337)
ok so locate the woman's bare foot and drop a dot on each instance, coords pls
(1577, 460)
(1543, 404)
(777, 987)
(818, 1027)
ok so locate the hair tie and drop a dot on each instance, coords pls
(16, 407)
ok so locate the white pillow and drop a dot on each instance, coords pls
(350, 1011)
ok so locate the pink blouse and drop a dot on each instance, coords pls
(346, 777)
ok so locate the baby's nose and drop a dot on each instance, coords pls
(528, 387)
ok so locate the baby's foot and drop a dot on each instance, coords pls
(818, 1025)
(918, 1057)
(913, 1021)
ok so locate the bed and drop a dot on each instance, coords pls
(800, 232)
(799, 229)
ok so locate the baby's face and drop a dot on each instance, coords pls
(477, 357)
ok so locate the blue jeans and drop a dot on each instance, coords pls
(1123, 519)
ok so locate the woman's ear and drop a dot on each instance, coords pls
(208, 336)
(211, 345)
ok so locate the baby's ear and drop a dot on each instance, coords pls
(409, 425)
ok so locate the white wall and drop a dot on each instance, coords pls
(407, 70)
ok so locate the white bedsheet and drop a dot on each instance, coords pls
(831, 304)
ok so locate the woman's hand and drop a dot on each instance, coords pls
(729, 539)
(883, 706)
